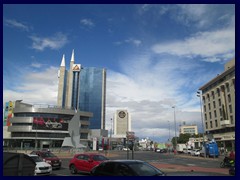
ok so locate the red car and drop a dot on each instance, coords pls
(85, 162)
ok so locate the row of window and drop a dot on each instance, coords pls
(221, 113)
(216, 123)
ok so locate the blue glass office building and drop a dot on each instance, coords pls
(92, 95)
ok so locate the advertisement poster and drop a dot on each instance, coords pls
(41, 123)
(8, 111)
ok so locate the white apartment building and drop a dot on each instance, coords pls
(218, 97)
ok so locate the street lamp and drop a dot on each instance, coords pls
(111, 136)
(175, 127)
(200, 97)
(169, 138)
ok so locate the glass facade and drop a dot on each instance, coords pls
(92, 97)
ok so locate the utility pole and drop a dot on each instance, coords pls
(175, 127)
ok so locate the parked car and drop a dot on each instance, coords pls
(126, 168)
(85, 162)
(195, 152)
(42, 168)
(50, 158)
(187, 151)
(100, 148)
(125, 149)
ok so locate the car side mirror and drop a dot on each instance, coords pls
(90, 160)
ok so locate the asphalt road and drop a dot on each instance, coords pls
(193, 165)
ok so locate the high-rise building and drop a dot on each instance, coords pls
(218, 97)
(122, 123)
(83, 89)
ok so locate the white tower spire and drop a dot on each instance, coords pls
(72, 58)
(63, 60)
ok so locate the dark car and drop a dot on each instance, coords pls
(126, 168)
(85, 162)
(50, 158)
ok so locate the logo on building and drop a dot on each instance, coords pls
(76, 67)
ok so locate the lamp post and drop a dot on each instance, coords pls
(169, 130)
(111, 136)
(175, 127)
(200, 97)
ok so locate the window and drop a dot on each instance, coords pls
(216, 123)
(229, 98)
(219, 102)
(215, 113)
(206, 124)
(227, 87)
(209, 106)
(230, 108)
(213, 96)
(218, 92)
(214, 104)
(210, 115)
(205, 108)
(211, 124)
(231, 119)
(205, 117)
(220, 112)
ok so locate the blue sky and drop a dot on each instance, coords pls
(156, 56)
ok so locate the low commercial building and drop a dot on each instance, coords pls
(44, 126)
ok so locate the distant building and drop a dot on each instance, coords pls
(188, 129)
(83, 89)
(122, 123)
(218, 97)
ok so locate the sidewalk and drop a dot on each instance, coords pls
(173, 167)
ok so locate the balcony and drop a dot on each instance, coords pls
(225, 122)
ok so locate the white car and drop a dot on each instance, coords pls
(125, 149)
(195, 152)
(42, 168)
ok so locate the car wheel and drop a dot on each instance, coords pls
(73, 169)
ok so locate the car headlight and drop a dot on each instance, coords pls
(47, 161)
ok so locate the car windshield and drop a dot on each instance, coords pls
(48, 154)
(36, 158)
(99, 158)
(144, 169)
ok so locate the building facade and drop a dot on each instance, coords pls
(83, 89)
(218, 97)
(34, 126)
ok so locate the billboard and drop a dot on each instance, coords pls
(40, 123)
(8, 112)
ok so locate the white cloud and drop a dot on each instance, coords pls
(148, 89)
(35, 88)
(55, 42)
(36, 65)
(135, 42)
(87, 22)
(16, 24)
(207, 45)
